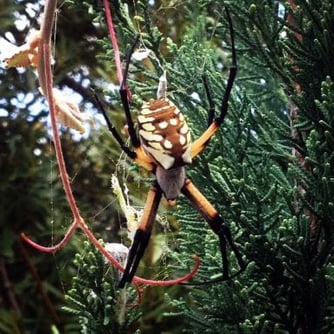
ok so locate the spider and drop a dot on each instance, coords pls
(163, 146)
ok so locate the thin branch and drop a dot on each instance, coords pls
(46, 82)
(83, 91)
(114, 42)
(7, 286)
(54, 248)
(40, 287)
(137, 279)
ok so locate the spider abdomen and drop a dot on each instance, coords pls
(164, 133)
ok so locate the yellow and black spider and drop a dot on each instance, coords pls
(163, 146)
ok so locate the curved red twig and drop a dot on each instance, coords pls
(110, 258)
(184, 278)
(46, 82)
(54, 248)
(138, 279)
(113, 41)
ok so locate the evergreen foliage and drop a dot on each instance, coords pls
(269, 170)
(270, 180)
(94, 298)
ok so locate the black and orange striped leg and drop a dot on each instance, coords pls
(230, 81)
(217, 224)
(114, 131)
(142, 235)
(215, 122)
(124, 93)
(137, 153)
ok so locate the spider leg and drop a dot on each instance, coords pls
(216, 222)
(140, 156)
(232, 75)
(114, 131)
(199, 144)
(142, 234)
(138, 153)
(124, 93)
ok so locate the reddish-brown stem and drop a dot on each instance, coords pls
(184, 278)
(109, 257)
(33, 270)
(8, 288)
(46, 83)
(56, 247)
(139, 297)
(114, 43)
(291, 19)
(137, 279)
(294, 113)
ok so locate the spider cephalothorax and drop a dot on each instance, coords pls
(163, 146)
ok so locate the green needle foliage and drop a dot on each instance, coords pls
(274, 180)
(94, 298)
(268, 170)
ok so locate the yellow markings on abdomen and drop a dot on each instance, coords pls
(164, 133)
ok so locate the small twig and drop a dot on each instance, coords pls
(7, 286)
(114, 43)
(39, 284)
(54, 248)
(83, 91)
(46, 82)
(113, 38)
